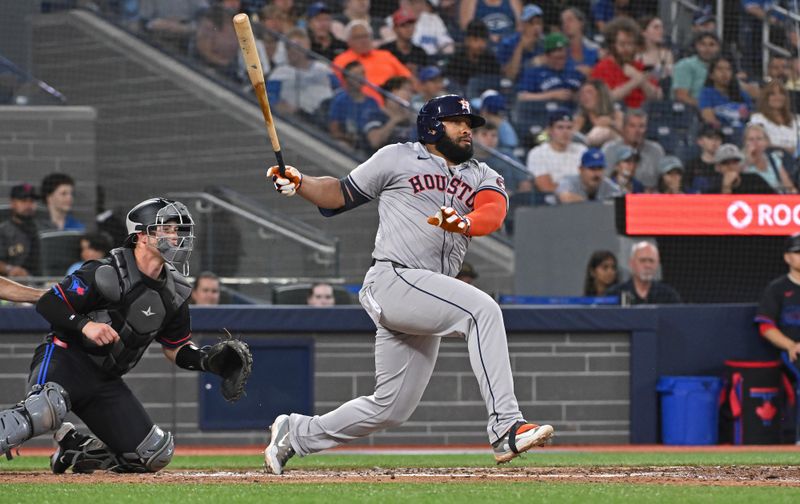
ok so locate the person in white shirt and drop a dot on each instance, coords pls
(430, 32)
(304, 83)
(559, 157)
(777, 118)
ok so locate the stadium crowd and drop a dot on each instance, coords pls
(554, 80)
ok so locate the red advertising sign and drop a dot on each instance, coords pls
(713, 214)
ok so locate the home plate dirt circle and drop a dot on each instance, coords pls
(676, 475)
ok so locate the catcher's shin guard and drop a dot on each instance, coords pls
(42, 411)
(153, 453)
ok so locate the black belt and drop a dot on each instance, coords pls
(395, 264)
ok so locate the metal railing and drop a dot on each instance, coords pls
(326, 248)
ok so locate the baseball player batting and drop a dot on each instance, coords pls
(433, 199)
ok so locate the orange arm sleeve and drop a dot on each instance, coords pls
(490, 210)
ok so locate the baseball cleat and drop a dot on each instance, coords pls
(521, 437)
(279, 449)
(67, 438)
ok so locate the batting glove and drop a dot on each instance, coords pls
(289, 183)
(449, 220)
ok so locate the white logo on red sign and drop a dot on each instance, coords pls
(740, 215)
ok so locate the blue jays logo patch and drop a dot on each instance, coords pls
(78, 286)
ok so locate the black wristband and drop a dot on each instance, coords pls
(192, 358)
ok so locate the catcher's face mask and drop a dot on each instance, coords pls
(173, 231)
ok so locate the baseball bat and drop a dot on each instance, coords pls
(247, 43)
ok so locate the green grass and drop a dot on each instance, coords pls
(461, 492)
(423, 493)
(542, 458)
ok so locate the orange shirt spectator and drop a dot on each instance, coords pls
(379, 65)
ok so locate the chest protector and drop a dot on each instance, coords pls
(136, 311)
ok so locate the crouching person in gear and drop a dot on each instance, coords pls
(103, 317)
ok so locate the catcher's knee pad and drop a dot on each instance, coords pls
(42, 411)
(153, 453)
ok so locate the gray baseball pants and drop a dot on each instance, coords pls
(412, 310)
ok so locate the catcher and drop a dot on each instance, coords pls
(103, 318)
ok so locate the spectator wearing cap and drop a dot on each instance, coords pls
(468, 274)
(729, 177)
(396, 123)
(519, 50)
(779, 306)
(410, 54)
(623, 162)
(590, 184)
(318, 18)
(379, 65)
(582, 53)
(19, 235)
(58, 191)
(304, 83)
(559, 156)
(493, 109)
(671, 179)
(700, 168)
(472, 57)
(690, 73)
(430, 84)
(634, 128)
(430, 31)
(624, 76)
(499, 15)
(551, 81)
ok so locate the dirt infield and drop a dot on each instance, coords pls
(779, 476)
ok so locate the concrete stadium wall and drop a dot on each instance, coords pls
(36, 141)
(591, 372)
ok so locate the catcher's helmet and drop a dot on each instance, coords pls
(148, 215)
(429, 121)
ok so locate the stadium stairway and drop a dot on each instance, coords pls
(164, 127)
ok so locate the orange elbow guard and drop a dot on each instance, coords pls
(490, 210)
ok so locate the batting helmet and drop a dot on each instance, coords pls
(429, 121)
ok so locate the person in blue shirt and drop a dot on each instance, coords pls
(500, 16)
(350, 109)
(582, 53)
(722, 102)
(58, 195)
(518, 50)
(551, 81)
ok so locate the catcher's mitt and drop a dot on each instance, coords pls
(231, 359)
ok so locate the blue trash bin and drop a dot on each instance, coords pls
(689, 409)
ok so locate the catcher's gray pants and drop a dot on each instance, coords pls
(412, 309)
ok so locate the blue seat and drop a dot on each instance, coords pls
(672, 124)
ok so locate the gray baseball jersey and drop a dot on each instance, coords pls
(411, 296)
(413, 185)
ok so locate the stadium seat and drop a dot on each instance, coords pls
(58, 250)
(297, 294)
(672, 124)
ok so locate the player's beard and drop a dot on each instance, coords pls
(452, 151)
